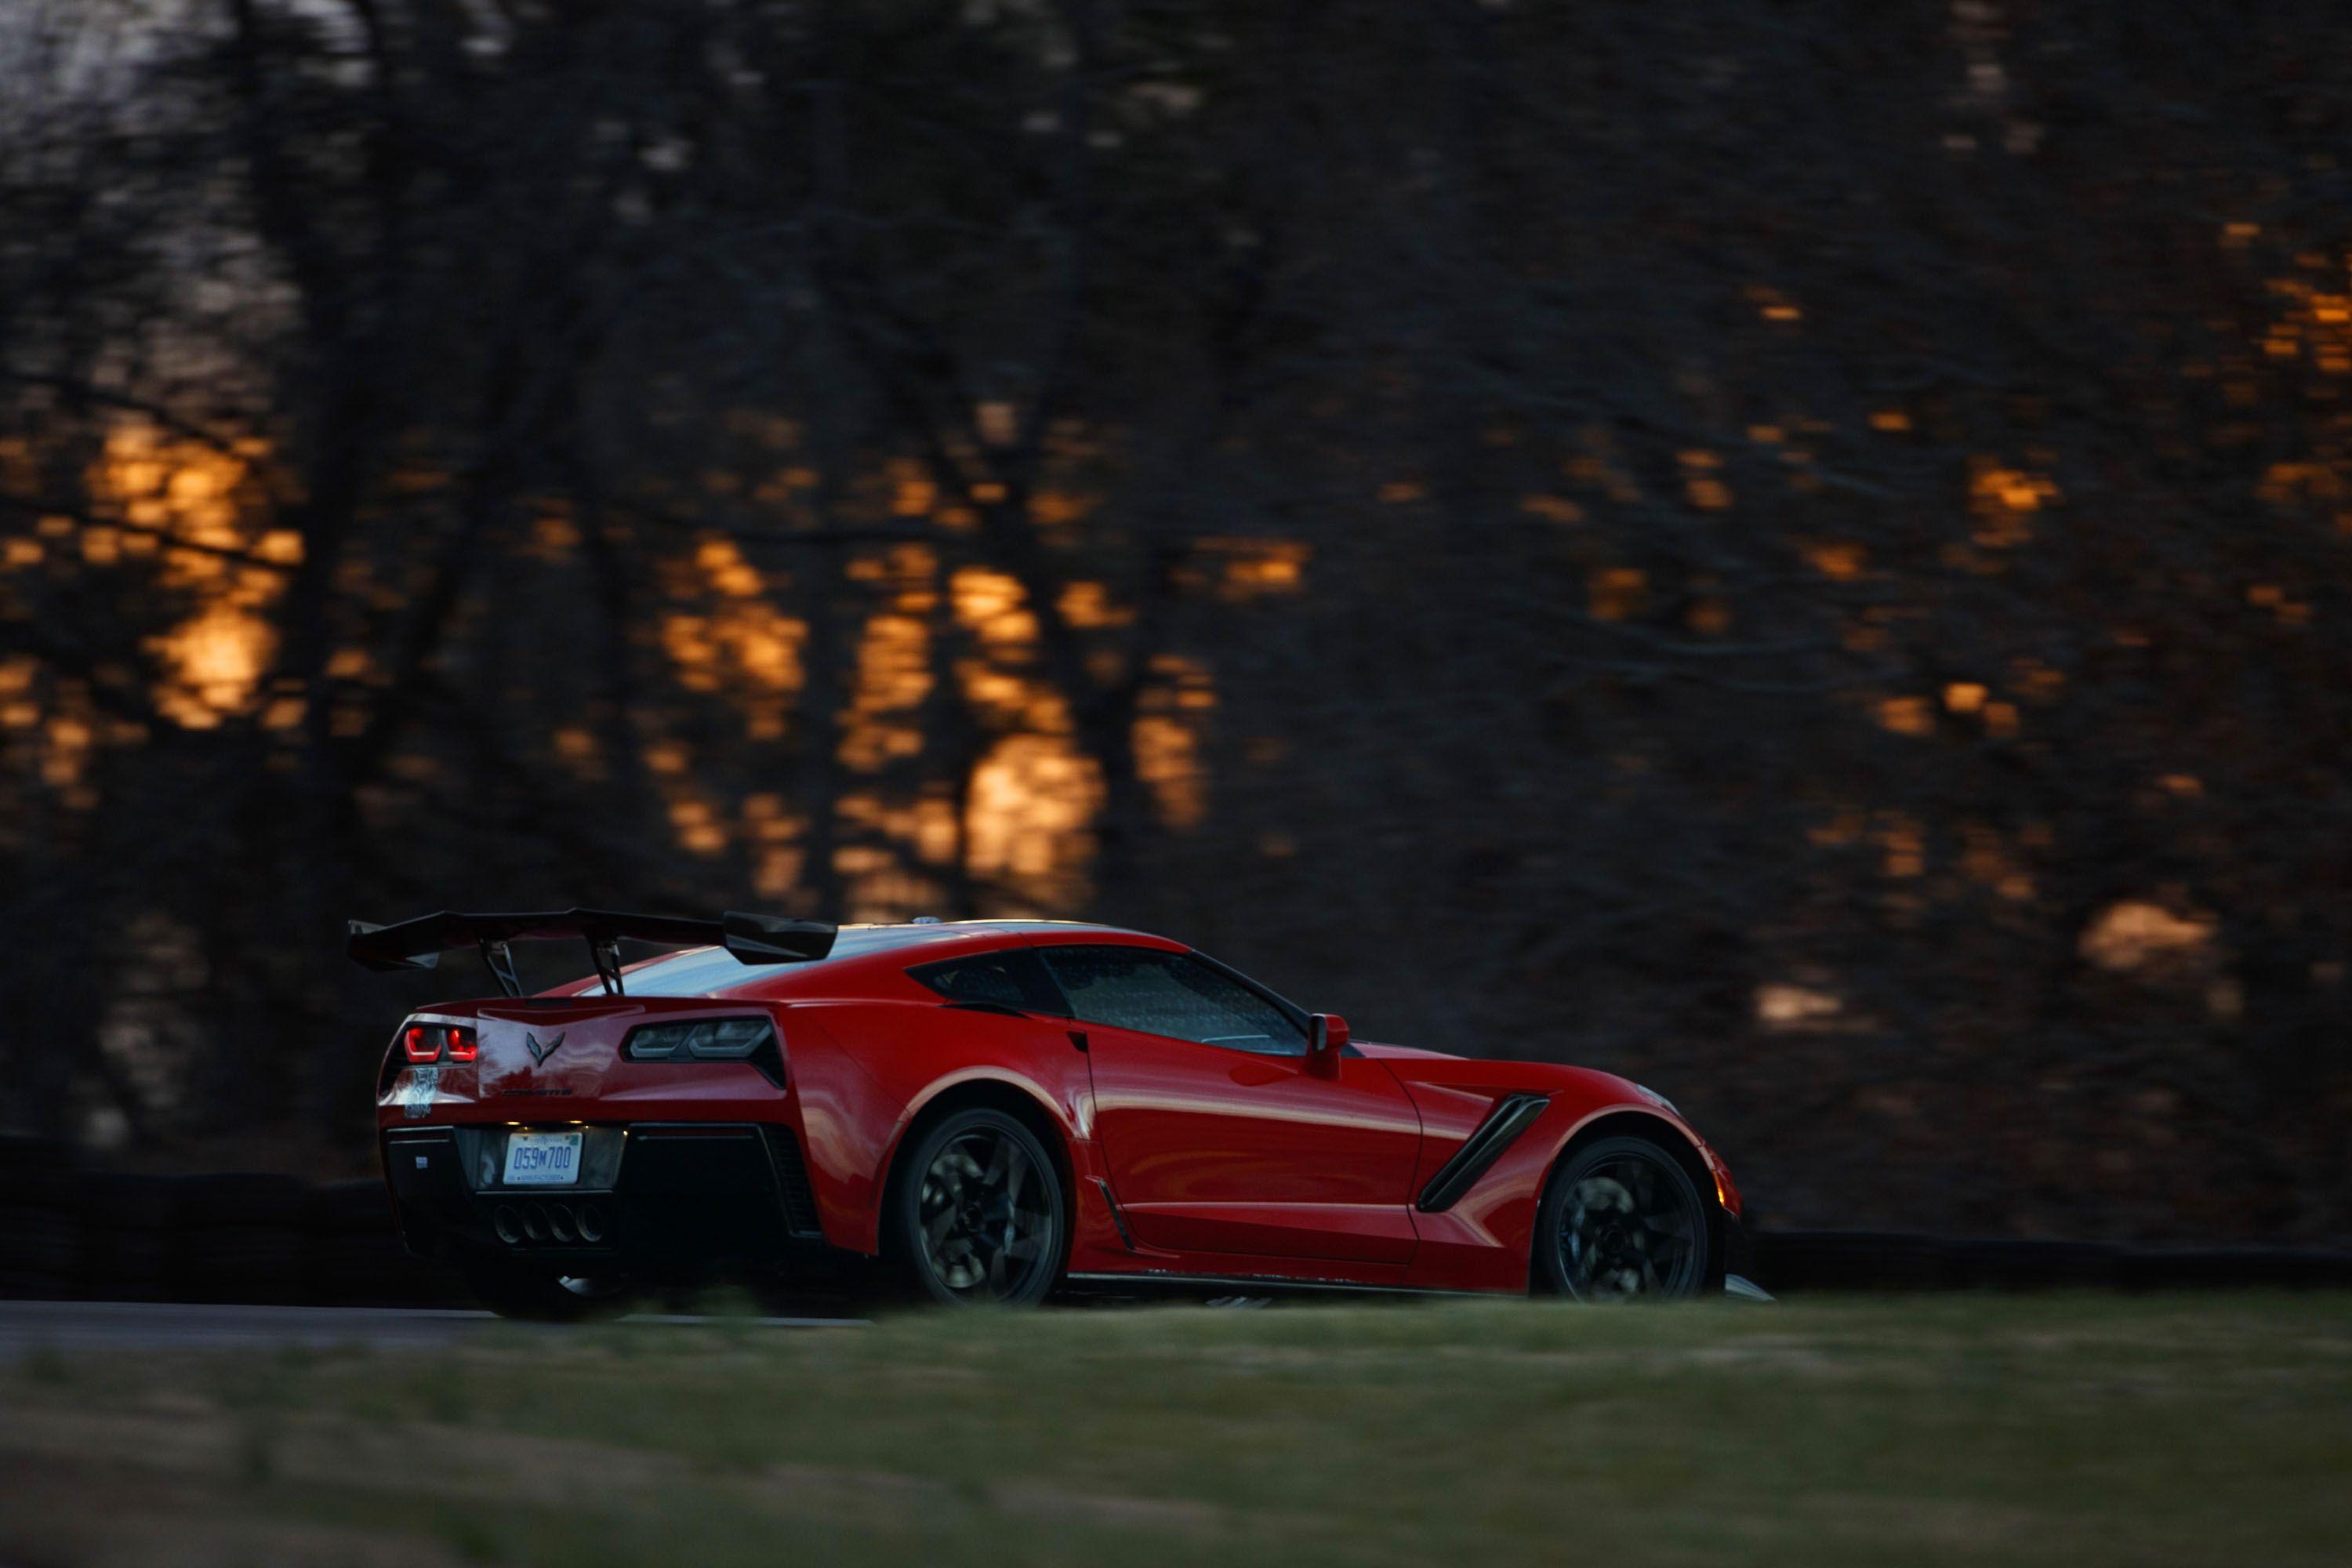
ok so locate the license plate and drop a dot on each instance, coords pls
(416, 1096)
(542, 1159)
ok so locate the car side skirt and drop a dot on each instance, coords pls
(1260, 1283)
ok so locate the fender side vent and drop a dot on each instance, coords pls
(1512, 1115)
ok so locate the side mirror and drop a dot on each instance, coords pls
(1326, 1037)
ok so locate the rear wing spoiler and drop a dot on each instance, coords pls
(419, 944)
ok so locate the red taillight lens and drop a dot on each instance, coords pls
(423, 1044)
(463, 1045)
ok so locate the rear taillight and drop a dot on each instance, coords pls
(424, 1043)
(749, 1040)
(711, 1039)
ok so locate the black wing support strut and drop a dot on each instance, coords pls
(500, 959)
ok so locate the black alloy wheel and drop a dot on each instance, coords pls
(1623, 1221)
(981, 1215)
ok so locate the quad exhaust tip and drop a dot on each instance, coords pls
(559, 1223)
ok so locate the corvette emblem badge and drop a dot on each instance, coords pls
(540, 1053)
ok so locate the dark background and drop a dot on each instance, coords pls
(1797, 552)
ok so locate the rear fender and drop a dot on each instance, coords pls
(866, 1071)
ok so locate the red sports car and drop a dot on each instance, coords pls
(994, 1110)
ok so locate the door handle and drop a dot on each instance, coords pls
(1079, 1039)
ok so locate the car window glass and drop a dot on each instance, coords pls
(1170, 994)
(702, 971)
(1006, 979)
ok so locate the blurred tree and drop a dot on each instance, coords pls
(1797, 557)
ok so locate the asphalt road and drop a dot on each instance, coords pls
(175, 1325)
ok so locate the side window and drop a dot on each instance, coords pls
(1170, 993)
(1010, 978)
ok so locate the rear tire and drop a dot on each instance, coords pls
(540, 1295)
(1623, 1221)
(980, 1218)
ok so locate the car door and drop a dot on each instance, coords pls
(1217, 1137)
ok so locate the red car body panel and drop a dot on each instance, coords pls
(1213, 1150)
(904, 1060)
(1182, 1158)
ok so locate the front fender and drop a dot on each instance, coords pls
(1484, 1240)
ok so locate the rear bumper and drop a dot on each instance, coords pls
(650, 1194)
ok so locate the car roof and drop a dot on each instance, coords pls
(861, 954)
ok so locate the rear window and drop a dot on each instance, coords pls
(702, 970)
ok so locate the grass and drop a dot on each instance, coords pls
(2081, 1430)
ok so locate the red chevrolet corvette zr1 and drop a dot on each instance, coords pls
(994, 1110)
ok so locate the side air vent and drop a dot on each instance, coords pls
(1512, 1115)
(793, 1182)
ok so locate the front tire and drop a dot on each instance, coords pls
(981, 1217)
(1623, 1221)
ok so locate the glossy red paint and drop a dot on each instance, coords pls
(1179, 1158)
(1213, 1150)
